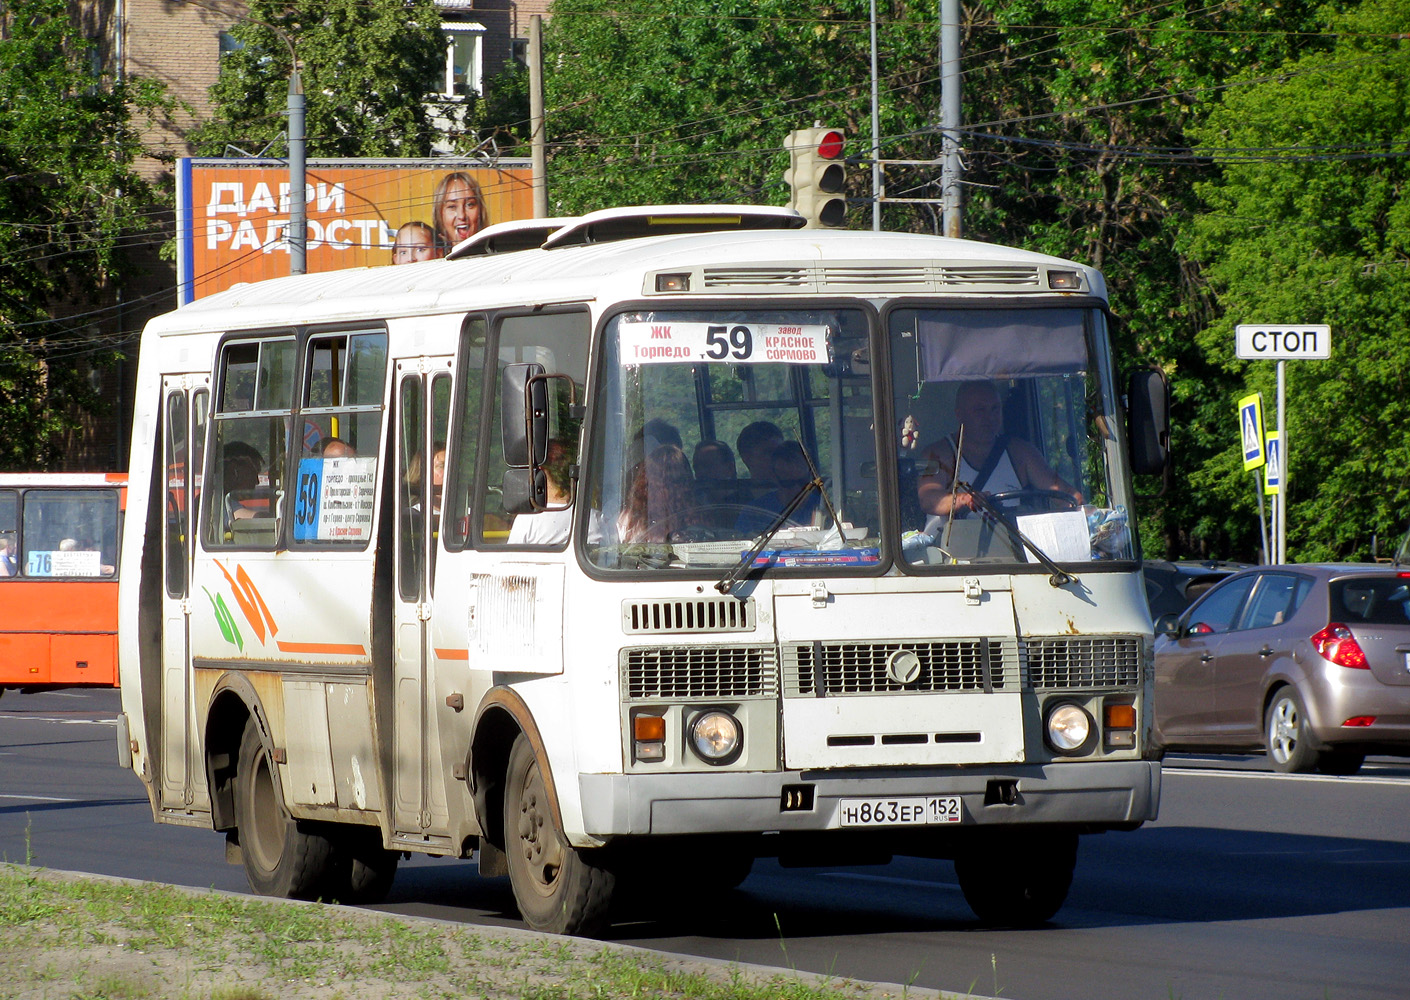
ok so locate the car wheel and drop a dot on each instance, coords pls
(1285, 729)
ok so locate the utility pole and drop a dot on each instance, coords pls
(875, 133)
(298, 203)
(950, 115)
(537, 141)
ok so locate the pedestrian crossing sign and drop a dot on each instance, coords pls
(1251, 431)
(1273, 471)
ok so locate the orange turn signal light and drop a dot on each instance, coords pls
(1121, 716)
(647, 728)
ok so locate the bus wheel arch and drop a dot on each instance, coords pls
(233, 704)
(501, 717)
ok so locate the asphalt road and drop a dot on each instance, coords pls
(1250, 886)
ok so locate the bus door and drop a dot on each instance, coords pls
(185, 406)
(423, 399)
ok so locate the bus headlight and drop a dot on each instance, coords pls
(1068, 728)
(715, 736)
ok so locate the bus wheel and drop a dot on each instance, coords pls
(1018, 880)
(556, 887)
(281, 857)
(365, 870)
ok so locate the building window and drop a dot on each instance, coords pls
(464, 58)
(229, 43)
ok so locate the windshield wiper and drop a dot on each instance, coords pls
(727, 582)
(1060, 577)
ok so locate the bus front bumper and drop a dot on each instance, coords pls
(1100, 794)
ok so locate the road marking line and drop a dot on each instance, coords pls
(36, 798)
(1328, 778)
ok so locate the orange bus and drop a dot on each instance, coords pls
(59, 538)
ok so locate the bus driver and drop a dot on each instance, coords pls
(989, 460)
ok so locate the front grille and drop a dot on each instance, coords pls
(1070, 663)
(690, 672)
(842, 668)
(700, 614)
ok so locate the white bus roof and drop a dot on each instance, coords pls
(508, 237)
(737, 264)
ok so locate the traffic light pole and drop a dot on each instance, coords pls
(950, 115)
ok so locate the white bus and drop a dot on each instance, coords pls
(627, 556)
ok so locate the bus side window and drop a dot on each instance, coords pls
(466, 430)
(245, 498)
(341, 419)
(558, 342)
(9, 539)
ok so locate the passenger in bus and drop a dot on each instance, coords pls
(438, 477)
(241, 467)
(458, 209)
(790, 473)
(717, 481)
(756, 445)
(334, 447)
(549, 527)
(661, 490)
(414, 241)
(9, 566)
(989, 460)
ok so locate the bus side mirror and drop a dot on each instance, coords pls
(1148, 421)
(523, 415)
(524, 491)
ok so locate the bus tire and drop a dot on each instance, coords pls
(1018, 880)
(282, 857)
(365, 869)
(558, 889)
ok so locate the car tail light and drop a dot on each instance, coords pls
(1337, 644)
(1360, 721)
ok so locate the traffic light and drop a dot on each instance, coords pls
(816, 176)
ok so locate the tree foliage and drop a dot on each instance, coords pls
(70, 201)
(1077, 113)
(367, 67)
(1308, 221)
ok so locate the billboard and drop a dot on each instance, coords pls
(232, 215)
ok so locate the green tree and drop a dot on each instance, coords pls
(1308, 221)
(70, 201)
(1076, 143)
(367, 68)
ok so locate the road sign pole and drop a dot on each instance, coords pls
(1280, 503)
(1262, 525)
(1280, 342)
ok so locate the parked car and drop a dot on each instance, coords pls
(1171, 587)
(1310, 662)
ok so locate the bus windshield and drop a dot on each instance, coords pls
(720, 429)
(1006, 437)
(713, 424)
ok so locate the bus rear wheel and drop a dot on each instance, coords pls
(557, 888)
(364, 869)
(282, 857)
(1018, 880)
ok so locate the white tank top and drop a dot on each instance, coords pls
(1003, 479)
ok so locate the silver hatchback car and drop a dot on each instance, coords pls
(1311, 662)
